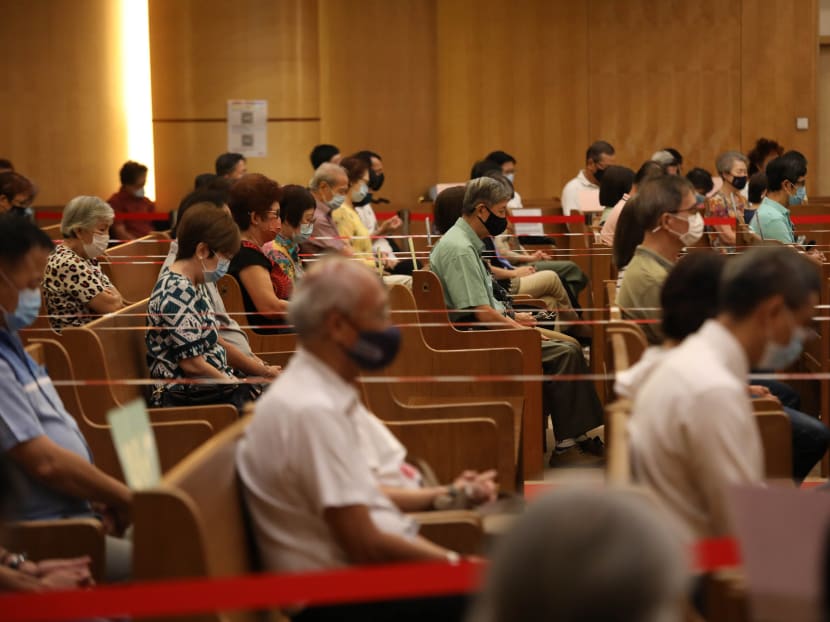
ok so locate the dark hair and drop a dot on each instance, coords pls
(20, 236)
(678, 157)
(616, 182)
(689, 295)
(12, 184)
(701, 179)
(355, 168)
(648, 170)
(763, 149)
(500, 157)
(796, 155)
(204, 223)
(482, 168)
(6, 164)
(757, 185)
(252, 193)
(367, 156)
(784, 169)
(214, 197)
(447, 208)
(226, 162)
(296, 201)
(130, 172)
(202, 180)
(662, 195)
(760, 273)
(597, 150)
(321, 154)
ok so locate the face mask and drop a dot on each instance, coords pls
(739, 183)
(510, 177)
(360, 194)
(700, 198)
(375, 180)
(304, 233)
(28, 307)
(799, 196)
(139, 193)
(598, 174)
(99, 244)
(336, 201)
(777, 357)
(211, 276)
(695, 231)
(495, 225)
(375, 349)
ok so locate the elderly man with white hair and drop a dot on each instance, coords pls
(75, 289)
(314, 501)
(329, 185)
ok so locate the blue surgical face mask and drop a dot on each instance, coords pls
(336, 201)
(777, 356)
(375, 349)
(211, 276)
(510, 177)
(799, 196)
(304, 233)
(28, 307)
(360, 194)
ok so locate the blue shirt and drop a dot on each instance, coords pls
(772, 222)
(31, 407)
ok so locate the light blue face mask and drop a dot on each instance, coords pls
(336, 201)
(28, 307)
(304, 233)
(360, 194)
(211, 276)
(139, 193)
(510, 177)
(799, 196)
(777, 356)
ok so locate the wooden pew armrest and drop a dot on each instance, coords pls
(60, 538)
(459, 530)
(219, 416)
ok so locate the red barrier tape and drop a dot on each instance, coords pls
(715, 553)
(187, 597)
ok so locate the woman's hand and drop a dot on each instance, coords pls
(388, 225)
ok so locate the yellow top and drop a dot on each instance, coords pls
(350, 226)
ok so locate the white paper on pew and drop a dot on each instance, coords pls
(782, 533)
(529, 228)
(135, 445)
(589, 201)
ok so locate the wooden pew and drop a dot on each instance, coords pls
(133, 267)
(53, 231)
(111, 352)
(440, 334)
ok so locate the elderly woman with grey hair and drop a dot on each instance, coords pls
(75, 289)
(728, 202)
(580, 555)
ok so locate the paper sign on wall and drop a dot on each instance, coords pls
(135, 445)
(248, 127)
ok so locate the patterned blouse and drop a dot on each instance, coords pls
(69, 283)
(181, 325)
(285, 254)
(350, 226)
(722, 205)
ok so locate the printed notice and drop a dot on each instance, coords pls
(135, 445)
(248, 127)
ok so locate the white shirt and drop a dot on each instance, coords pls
(384, 453)
(693, 431)
(301, 455)
(515, 202)
(370, 221)
(573, 190)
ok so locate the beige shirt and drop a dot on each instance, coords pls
(639, 295)
(693, 431)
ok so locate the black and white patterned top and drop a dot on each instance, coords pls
(181, 325)
(69, 283)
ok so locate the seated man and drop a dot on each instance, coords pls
(693, 432)
(129, 200)
(456, 260)
(314, 501)
(575, 195)
(51, 463)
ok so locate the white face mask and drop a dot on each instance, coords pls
(777, 356)
(694, 232)
(99, 244)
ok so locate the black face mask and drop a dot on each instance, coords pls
(598, 174)
(375, 180)
(495, 225)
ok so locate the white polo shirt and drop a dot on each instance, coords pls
(693, 431)
(301, 455)
(573, 190)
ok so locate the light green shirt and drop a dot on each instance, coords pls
(456, 261)
(772, 222)
(639, 297)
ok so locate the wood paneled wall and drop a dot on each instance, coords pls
(431, 84)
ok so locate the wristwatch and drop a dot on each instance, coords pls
(15, 560)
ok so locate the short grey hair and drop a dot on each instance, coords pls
(725, 161)
(326, 172)
(332, 283)
(664, 158)
(84, 213)
(487, 190)
(585, 555)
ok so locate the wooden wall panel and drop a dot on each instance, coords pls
(780, 67)
(62, 122)
(377, 87)
(512, 77)
(665, 74)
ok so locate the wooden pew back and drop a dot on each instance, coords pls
(133, 267)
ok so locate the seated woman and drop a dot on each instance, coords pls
(75, 288)
(729, 202)
(615, 187)
(182, 337)
(255, 205)
(649, 170)
(49, 459)
(297, 213)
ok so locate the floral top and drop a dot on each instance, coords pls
(181, 325)
(350, 226)
(285, 254)
(69, 283)
(722, 205)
